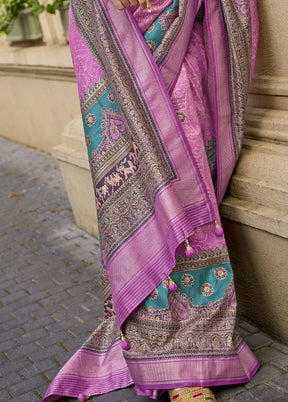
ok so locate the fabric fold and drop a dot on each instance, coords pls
(162, 100)
(164, 175)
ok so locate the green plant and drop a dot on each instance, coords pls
(9, 10)
(54, 6)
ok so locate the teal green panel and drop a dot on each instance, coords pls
(209, 283)
(92, 121)
(157, 30)
(161, 301)
(202, 285)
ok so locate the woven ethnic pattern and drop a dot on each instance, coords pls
(119, 218)
(238, 38)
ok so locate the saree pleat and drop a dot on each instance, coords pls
(162, 100)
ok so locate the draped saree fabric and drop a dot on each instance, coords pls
(162, 98)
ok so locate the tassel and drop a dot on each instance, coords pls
(82, 397)
(172, 285)
(125, 345)
(189, 249)
(218, 230)
(148, 6)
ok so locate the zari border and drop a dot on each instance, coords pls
(86, 373)
(180, 373)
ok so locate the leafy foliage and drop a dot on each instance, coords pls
(55, 5)
(9, 10)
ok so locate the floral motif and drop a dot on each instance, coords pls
(187, 280)
(220, 273)
(167, 18)
(165, 283)
(113, 129)
(88, 140)
(104, 337)
(229, 340)
(151, 28)
(181, 117)
(108, 307)
(113, 125)
(90, 119)
(111, 97)
(244, 6)
(151, 45)
(153, 295)
(95, 92)
(207, 289)
(178, 306)
(166, 337)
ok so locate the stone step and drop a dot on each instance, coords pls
(269, 85)
(69, 155)
(73, 136)
(264, 161)
(271, 220)
(267, 124)
(260, 192)
(73, 149)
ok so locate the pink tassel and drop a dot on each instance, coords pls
(125, 345)
(189, 249)
(172, 285)
(82, 398)
(218, 230)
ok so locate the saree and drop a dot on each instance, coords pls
(162, 98)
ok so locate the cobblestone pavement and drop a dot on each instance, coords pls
(50, 293)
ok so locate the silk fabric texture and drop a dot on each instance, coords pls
(162, 98)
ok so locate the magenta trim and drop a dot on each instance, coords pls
(202, 383)
(195, 371)
(72, 385)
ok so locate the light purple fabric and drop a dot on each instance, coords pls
(179, 207)
(196, 72)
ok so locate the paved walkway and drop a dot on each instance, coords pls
(50, 293)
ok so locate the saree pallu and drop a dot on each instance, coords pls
(162, 97)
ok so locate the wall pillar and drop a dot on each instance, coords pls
(74, 165)
(255, 210)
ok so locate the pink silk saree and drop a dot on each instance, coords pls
(162, 97)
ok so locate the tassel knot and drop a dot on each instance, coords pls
(172, 285)
(218, 230)
(125, 345)
(82, 397)
(189, 249)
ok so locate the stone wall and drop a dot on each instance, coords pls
(256, 209)
(40, 108)
(38, 94)
(38, 88)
